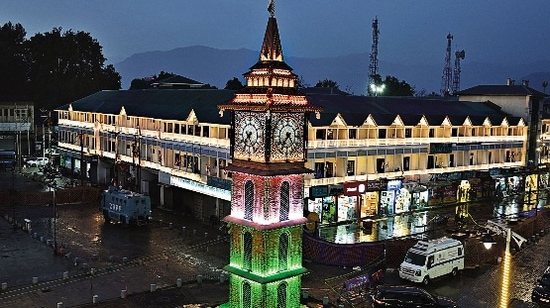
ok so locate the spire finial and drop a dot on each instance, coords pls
(271, 8)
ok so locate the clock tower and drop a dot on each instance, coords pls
(268, 151)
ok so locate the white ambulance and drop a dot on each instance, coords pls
(431, 259)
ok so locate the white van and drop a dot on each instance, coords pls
(431, 259)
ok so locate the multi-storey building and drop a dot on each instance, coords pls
(17, 128)
(369, 155)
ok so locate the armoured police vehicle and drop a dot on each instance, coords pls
(126, 207)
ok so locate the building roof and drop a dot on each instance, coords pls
(512, 90)
(177, 104)
(355, 110)
(166, 104)
(178, 81)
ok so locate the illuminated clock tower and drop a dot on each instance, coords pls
(268, 151)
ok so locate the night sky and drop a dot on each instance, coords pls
(494, 31)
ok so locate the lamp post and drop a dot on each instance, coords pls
(376, 89)
(508, 234)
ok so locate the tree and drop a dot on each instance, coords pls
(327, 83)
(392, 86)
(66, 66)
(13, 62)
(146, 82)
(233, 84)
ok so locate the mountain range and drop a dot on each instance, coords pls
(217, 66)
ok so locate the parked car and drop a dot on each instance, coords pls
(38, 161)
(51, 151)
(541, 292)
(407, 296)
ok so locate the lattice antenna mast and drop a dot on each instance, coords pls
(373, 64)
(459, 55)
(447, 72)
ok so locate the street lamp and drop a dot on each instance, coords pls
(377, 90)
(506, 232)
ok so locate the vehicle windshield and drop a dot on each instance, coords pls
(545, 280)
(415, 259)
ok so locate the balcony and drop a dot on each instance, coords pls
(364, 143)
(394, 174)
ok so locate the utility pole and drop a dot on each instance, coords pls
(82, 164)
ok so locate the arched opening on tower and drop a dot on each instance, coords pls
(281, 295)
(248, 200)
(283, 252)
(284, 207)
(247, 295)
(247, 251)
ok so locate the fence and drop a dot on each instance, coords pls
(81, 194)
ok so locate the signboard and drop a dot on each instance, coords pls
(318, 191)
(355, 188)
(218, 182)
(436, 148)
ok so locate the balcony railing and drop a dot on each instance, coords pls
(394, 174)
(363, 143)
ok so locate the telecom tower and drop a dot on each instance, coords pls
(447, 72)
(373, 65)
(456, 78)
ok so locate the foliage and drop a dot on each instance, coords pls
(52, 68)
(13, 62)
(233, 84)
(146, 82)
(327, 83)
(393, 86)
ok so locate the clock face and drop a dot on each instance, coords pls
(287, 136)
(249, 135)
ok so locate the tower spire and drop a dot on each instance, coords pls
(271, 8)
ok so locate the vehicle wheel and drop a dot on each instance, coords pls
(426, 281)
(454, 272)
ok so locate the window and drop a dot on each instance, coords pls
(382, 133)
(351, 168)
(247, 295)
(352, 133)
(320, 134)
(408, 132)
(248, 200)
(247, 251)
(281, 295)
(285, 201)
(283, 252)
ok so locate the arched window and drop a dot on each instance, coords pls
(281, 295)
(247, 295)
(247, 251)
(283, 252)
(248, 200)
(285, 201)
